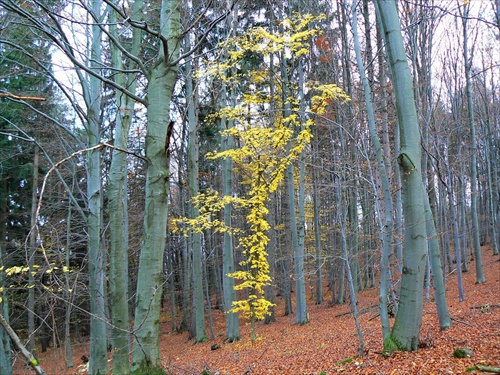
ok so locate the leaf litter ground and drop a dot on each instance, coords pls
(328, 344)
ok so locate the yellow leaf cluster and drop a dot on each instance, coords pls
(327, 93)
(271, 135)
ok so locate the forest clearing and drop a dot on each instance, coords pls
(328, 343)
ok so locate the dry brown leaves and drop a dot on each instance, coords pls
(329, 344)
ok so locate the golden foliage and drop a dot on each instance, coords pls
(272, 131)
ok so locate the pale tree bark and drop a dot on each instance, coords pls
(98, 349)
(301, 203)
(342, 212)
(117, 202)
(67, 294)
(232, 320)
(386, 224)
(32, 252)
(317, 219)
(435, 264)
(456, 230)
(491, 163)
(32, 361)
(352, 196)
(406, 330)
(5, 355)
(298, 250)
(193, 183)
(161, 82)
(473, 164)
(421, 40)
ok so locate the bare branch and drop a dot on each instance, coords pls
(24, 352)
(21, 97)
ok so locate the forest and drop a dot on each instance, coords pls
(249, 187)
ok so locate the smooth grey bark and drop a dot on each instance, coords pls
(193, 186)
(443, 227)
(317, 219)
(342, 216)
(352, 214)
(405, 334)
(67, 294)
(492, 188)
(462, 218)
(228, 267)
(5, 354)
(341, 290)
(352, 196)
(98, 363)
(285, 255)
(456, 229)
(421, 41)
(207, 293)
(302, 315)
(161, 82)
(186, 258)
(270, 289)
(298, 250)
(436, 268)
(473, 163)
(30, 359)
(117, 203)
(298, 253)
(386, 224)
(232, 319)
(32, 252)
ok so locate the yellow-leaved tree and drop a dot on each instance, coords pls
(269, 138)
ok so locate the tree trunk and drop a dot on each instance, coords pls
(118, 207)
(67, 294)
(32, 361)
(386, 223)
(5, 354)
(232, 319)
(406, 331)
(298, 250)
(149, 283)
(98, 348)
(32, 252)
(317, 219)
(435, 265)
(473, 163)
(193, 183)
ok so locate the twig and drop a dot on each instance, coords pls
(24, 352)
(20, 97)
(485, 307)
(461, 321)
(360, 311)
(249, 368)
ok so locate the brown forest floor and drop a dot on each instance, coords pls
(329, 338)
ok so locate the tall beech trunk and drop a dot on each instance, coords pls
(406, 330)
(193, 187)
(118, 207)
(232, 319)
(161, 82)
(386, 223)
(473, 163)
(32, 252)
(295, 228)
(228, 267)
(317, 219)
(5, 354)
(98, 346)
